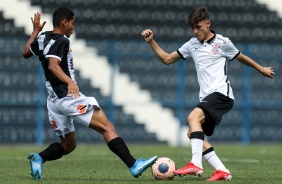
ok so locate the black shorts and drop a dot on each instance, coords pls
(214, 106)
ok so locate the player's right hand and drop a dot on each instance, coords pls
(148, 35)
(37, 26)
(73, 90)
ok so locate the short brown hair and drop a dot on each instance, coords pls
(197, 15)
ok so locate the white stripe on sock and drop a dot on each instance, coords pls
(214, 161)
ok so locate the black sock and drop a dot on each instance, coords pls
(53, 152)
(197, 135)
(118, 146)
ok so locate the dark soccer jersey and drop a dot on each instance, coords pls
(49, 45)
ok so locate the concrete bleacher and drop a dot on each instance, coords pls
(251, 26)
(242, 20)
(19, 97)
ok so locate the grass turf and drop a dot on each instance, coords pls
(254, 164)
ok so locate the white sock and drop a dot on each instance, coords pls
(197, 151)
(215, 162)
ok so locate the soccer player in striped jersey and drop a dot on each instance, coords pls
(65, 102)
(210, 52)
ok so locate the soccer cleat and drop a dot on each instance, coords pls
(220, 175)
(189, 168)
(35, 165)
(141, 165)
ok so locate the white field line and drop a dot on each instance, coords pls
(251, 161)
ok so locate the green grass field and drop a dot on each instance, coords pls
(254, 164)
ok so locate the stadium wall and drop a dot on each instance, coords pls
(254, 118)
(97, 68)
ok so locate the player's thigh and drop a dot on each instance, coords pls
(195, 119)
(100, 122)
(95, 119)
(197, 115)
(85, 110)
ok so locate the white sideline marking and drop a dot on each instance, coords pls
(251, 161)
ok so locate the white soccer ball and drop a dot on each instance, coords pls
(163, 169)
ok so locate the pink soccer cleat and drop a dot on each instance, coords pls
(220, 175)
(190, 169)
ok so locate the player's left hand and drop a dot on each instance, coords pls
(268, 72)
(37, 26)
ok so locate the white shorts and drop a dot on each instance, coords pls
(63, 111)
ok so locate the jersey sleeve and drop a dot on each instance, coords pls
(184, 50)
(56, 48)
(35, 47)
(230, 51)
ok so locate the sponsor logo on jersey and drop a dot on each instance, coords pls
(54, 124)
(83, 108)
(53, 96)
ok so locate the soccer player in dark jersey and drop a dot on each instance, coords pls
(210, 53)
(65, 102)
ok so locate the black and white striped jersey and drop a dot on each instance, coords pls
(210, 59)
(49, 45)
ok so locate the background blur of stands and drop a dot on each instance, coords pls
(114, 27)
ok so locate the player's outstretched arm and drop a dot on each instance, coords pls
(266, 71)
(37, 28)
(166, 58)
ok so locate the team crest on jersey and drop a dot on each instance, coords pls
(215, 48)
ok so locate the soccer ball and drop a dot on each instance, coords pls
(163, 169)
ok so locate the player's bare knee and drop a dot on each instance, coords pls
(105, 128)
(110, 127)
(192, 119)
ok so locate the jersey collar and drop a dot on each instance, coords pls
(211, 39)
